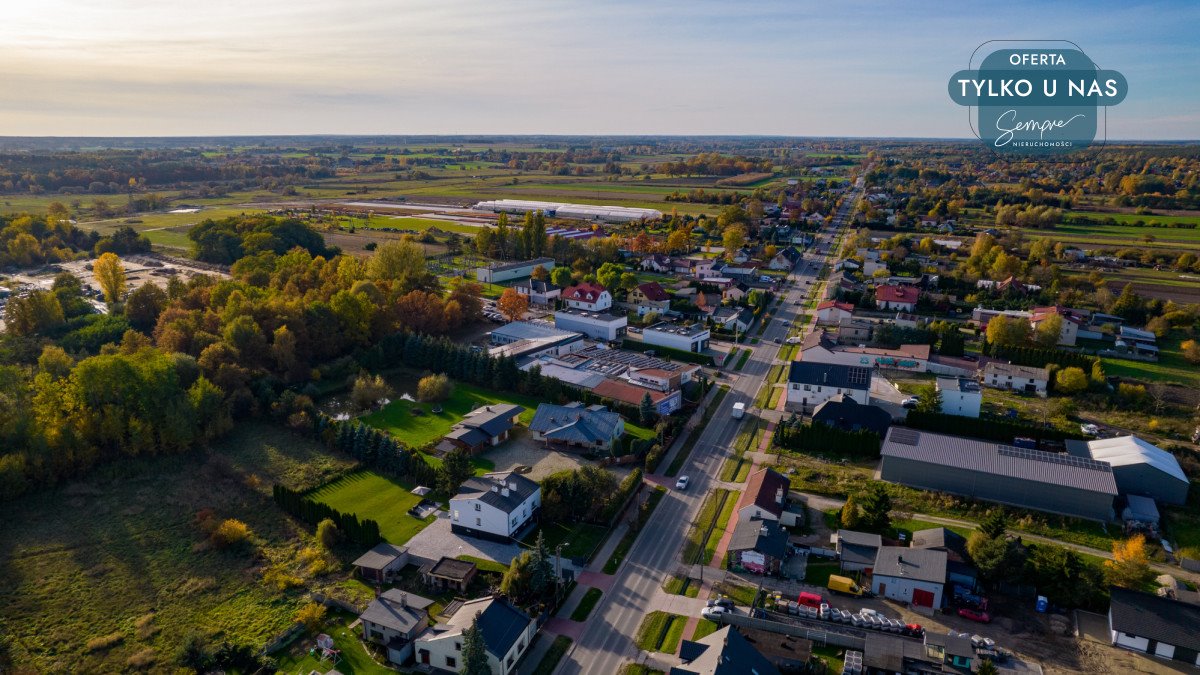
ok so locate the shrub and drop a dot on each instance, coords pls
(230, 532)
(311, 616)
(146, 627)
(104, 642)
(142, 659)
(281, 579)
(327, 533)
(369, 390)
(435, 388)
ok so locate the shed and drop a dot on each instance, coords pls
(382, 562)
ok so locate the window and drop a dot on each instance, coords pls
(458, 646)
(451, 662)
(477, 508)
(514, 521)
(478, 522)
(456, 514)
(808, 387)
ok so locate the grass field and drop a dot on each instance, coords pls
(557, 650)
(817, 573)
(661, 632)
(581, 539)
(677, 585)
(355, 659)
(704, 628)
(420, 430)
(1170, 367)
(384, 500)
(586, 604)
(120, 553)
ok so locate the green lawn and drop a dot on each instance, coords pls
(296, 659)
(581, 539)
(423, 429)
(661, 632)
(586, 604)
(550, 660)
(817, 573)
(677, 585)
(384, 500)
(710, 547)
(704, 628)
(1170, 367)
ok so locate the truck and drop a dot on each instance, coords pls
(844, 585)
(739, 410)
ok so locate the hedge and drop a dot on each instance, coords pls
(361, 532)
(990, 429)
(1038, 357)
(819, 437)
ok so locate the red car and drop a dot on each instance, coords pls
(974, 615)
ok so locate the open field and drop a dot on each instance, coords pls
(384, 500)
(1170, 367)
(120, 554)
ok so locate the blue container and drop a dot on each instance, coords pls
(1042, 604)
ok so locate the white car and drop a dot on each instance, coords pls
(910, 402)
(682, 483)
(713, 611)
(1090, 429)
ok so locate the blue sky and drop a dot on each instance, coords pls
(166, 67)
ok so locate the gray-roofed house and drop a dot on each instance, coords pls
(1031, 479)
(382, 562)
(843, 412)
(496, 506)
(912, 575)
(1147, 623)
(393, 620)
(759, 546)
(810, 384)
(958, 569)
(725, 652)
(507, 633)
(449, 574)
(576, 426)
(857, 550)
(482, 428)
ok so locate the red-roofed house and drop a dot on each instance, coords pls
(630, 394)
(650, 297)
(832, 311)
(587, 296)
(1070, 322)
(765, 497)
(901, 298)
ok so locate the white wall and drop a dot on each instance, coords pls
(682, 342)
(963, 403)
(752, 511)
(816, 394)
(607, 330)
(463, 512)
(901, 590)
(444, 646)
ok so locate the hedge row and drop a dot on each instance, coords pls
(795, 435)
(361, 532)
(1001, 431)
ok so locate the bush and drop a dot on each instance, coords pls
(230, 532)
(311, 616)
(435, 388)
(327, 533)
(105, 642)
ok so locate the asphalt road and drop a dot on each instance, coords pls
(607, 641)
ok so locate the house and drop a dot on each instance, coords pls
(650, 297)
(897, 297)
(1139, 467)
(855, 331)
(857, 550)
(507, 633)
(844, 413)
(735, 292)
(952, 649)
(915, 576)
(758, 546)
(495, 506)
(660, 379)
(811, 384)
(656, 263)
(592, 428)
(1016, 378)
(449, 574)
(597, 325)
(832, 311)
(703, 268)
(724, 652)
(846, 265)
(1068, 333)
(785, 259)
(500, 272)
(539, 292)
(381, 563)
(1142, 343)
(1161, 627)
(692, 337)
(958, 570)
(818, 347)
(484, 427)
(870, 267)
(587, 296)
(960, 396)
(905, 320)
(765, 497)
(393, 620)
(664, 402)
(723, 317)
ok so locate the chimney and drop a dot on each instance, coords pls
(513, 486)
(404, 599)
(779, 495)
(504, 492)
(495, 488)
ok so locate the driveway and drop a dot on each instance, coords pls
(437, 541)
(885, 395)
(522, 450)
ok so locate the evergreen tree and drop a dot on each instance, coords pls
(876, 508)
(541, 569)
(995, 524)
(646, 410)
(474, 654)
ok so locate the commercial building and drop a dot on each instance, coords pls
(601, 213)
(495, 506)
(916, 576)
(818, 347)
(507, 271)
(688, 338)
(1140, 468)
(507, 633)
(1161, 627)
(811, 384)
(1044, 481)
(596, 325)
(530, 339)
(960, 396)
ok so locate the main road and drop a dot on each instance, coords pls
(607, 641)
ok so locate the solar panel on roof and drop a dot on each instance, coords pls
(1039, 456)
(859, 376)
(905, 436)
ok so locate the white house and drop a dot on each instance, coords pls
(832, 312)
(587, 296)
(495, 506)
(507, 633)
(1017, 378)
(902, 298)
(596, 325)
(960, 396)
(911, 575)
(765, 497)
(1068, 333)
(498, 272)
(689, 338)
(539, 292)
(811, 384)
(1153, 625)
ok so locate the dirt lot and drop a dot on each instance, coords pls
(523, 451)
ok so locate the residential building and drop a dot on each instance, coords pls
(904, 320)
(539, 292)
(855, 331)
(1139, 467)
(818, 347)
(857, 550)
(811, 384)
(901, 298)
(758, 546)
(650, 297)
(1068, 333)
(656, 262)
(846, 265)
(725, 652)
(507, 271)
(1142, 343)
(765, 497)
(495, 506)
(960, 396)
(381, 563)
(449, 574)
(591, 428)
(916, 576)
(393, 620)
(735, 292)
(596, 325)
(1016, 378)
(692, 337)
(833, 311)
(664, 402)
(785, 259)
(847, 414)
(1160, 627)
(507, 633)
(958, 570)
(587, 296)
(1031, 479)
(482, 428)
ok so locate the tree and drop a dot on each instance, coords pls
(33, 313)
(402, 262)
(733, 239)
(195, 654)
(646, 409)
(987, 667)
(455, 469)
(1130, 566)
(678, 242)
(994, 524)
(539, 273)
(629, 281)
(327, 533)
(996, 558)
(512, 304)
(851, 517)
(474, 656)
(230, 532)
(143, 306)
(929, 399)
(541, 569)
(1191, 351)
(1070, 381)
(609, 275)
(1047, 332)
(560, 276)
(369, 390)
(110, 275)
(311, 615)
(876, 507)
(1007, 331)
(437, 387)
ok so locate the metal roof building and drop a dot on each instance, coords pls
(605, 212)
(1044, 481)
(1140, 468)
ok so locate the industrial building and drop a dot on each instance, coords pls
(500, 272)
(596, 325)
(601, 213)
(687, 338)
(1140, 468)
(1031, 479)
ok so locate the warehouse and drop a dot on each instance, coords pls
(507, 271)
(1063, 484)
(602, 213)
(1140, 468)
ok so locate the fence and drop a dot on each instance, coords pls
(1189, 564)
(818, 636)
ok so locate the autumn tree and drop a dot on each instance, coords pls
(1007, 331)
(1070, 381)
(327, 533)
(33, 313)
(436, 387)
(560, 276)
(677, 242)
(733, 239)
(110, 275)
(539, 273)
(1191, 351)
(1130, 565)
(402, 262)
(1047, 332)
(512, 304)
(369, 390)
(143, 306)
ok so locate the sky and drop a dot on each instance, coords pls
(869, 68)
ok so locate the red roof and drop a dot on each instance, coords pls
(583, 292)
(761, 490)
(653, 291)
(897, 293)
(844, 306)
(1041, 313)
(625, 392)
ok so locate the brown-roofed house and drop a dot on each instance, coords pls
(765, 497)
(623, 392)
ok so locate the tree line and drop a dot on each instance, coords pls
(362, 532)
(794, 434)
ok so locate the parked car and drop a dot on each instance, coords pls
(721, 601)
(778, 341)
(910, 402)
(807, 599)
(974, 615)
(682, 483)
(1090, 429)
(914, 630)
(713, 611)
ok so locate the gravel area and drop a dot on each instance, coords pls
(523, 451)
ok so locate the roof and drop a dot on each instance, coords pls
(502, 266)
(912, 351)
(626, 393)
(379, 557)
(398, 610)
(844, 412)
(603, 315)
(493, 419)
(959, 384)
(762, 489)
(518, 488)
(1039, 314)
(1015, 370)
(897, 293)
(500, 622)
(451, 568)
(538, 286)
(859, 538)
(653, 291)
(687, 330)
(764, 536)
(830, 375)
(999, 460)
(725, 652)
(584, 291)
(939, 537)
(953, 643)
(528, 330)
(1130, 450)
(520, 348)
(1149, 616)
(858, 547)
(844, 306)
(922, 564)
(578, 425)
